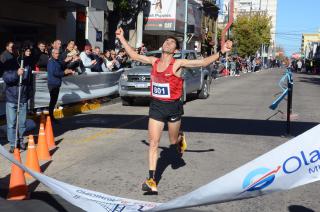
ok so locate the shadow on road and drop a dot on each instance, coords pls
(145, 102)
(190, 124)
(299, 208)
(310, 80)
(39, 202)
(168, 157)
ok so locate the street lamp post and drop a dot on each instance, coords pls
(185, 25)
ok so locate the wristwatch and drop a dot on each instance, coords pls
(221, 54)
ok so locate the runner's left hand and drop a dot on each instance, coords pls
(227, 47)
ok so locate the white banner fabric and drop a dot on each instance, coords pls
(292, 164)
(83, 198)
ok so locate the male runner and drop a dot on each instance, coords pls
(166, 87)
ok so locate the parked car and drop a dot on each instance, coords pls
(135, 82)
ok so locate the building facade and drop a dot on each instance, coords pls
(252, 6)
(46, 20)
(310, 44)
(167, 17)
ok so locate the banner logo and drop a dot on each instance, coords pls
(259, 179)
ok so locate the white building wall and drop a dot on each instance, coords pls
(66, 29)
(95, 24)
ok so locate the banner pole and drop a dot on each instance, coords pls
(289, 104)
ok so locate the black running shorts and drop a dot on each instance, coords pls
(166, 111)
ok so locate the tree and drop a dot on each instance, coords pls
(250, 32)
(122, 5)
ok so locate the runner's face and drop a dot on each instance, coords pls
(169, 46)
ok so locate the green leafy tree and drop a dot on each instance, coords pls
(122, 5)
(250, 32)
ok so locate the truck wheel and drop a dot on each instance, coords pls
(204, 92)
(126, 101)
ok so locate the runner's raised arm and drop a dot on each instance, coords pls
(206, 61)
(132, 54)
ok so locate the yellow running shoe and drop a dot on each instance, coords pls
(182, 142)
(149, 185)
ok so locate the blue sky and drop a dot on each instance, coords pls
(294, 18)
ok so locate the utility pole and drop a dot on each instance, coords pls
(230, 22)
(185, 25)
(139, 29)
(260, 6)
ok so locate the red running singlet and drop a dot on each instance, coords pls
(165, 85)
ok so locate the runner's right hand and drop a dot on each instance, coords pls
(119, 33)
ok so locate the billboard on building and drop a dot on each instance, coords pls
(194, 16)
(162, 15)
(169, 15)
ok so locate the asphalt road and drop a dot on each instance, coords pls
(106, 150)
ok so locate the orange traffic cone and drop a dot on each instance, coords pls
(49, 134)
(42, 148)
(32, 158)
(18, 189)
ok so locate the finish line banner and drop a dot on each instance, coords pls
(83, 198)
(292, 164)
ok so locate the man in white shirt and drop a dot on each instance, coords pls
(299, 65)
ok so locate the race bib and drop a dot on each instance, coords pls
(161, 90)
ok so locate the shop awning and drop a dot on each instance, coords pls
(97, 4)
(66, 4)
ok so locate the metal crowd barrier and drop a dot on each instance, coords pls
(76, 88)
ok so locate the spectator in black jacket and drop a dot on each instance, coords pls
(41, 57)
(64, 57)
(55, 74)
(99, 60)
(11, 75)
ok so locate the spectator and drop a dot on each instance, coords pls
(55, 74)
(299, 66)
(115, 65)
(75, 64)
(41, 57)
(86, 58)
(99, 60)
(11, 75)
(143, 49)
(64, 57)
(121, 58)
(107, 55)
(238, 66)
(232, 66)
(56, 45)
(70, 58)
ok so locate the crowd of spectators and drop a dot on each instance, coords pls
(18, 61)
(91, 59)
(235, 65)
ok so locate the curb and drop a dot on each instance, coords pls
(77, 108)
